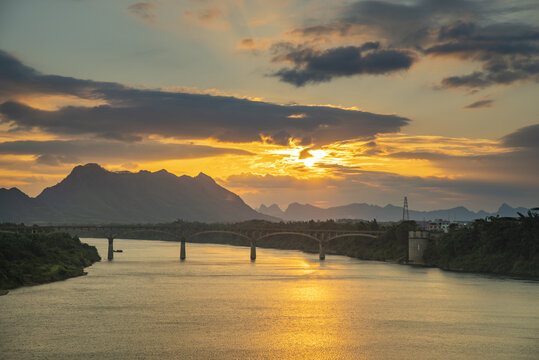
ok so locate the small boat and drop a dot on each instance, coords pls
(118, 250)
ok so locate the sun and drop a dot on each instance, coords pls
(316, 156)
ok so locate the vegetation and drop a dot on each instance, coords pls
(392, 245)
(496, 245)
(29, 259)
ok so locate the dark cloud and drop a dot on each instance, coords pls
(56, 152)
(18, 79)
(469, 30)
(51, 160)
(320, 30)
(247, 43)
(468, 39)
(132, 114)
(480, 104)
(143, 10)
(404, 24)
(305, 154)
(312, 66)
(526, 137)
(508, 52)
(408, 24)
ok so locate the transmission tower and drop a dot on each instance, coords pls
(405, 214)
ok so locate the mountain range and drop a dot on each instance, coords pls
(305, 212)
(91, 194)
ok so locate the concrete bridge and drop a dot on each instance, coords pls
(254, 236)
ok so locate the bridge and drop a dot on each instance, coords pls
(253, 236)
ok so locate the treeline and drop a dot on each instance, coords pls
(350, 225)
(29, 259)
(496, 245)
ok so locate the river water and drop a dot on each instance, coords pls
(287, 305)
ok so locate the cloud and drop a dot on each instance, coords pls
(210, 14)
(248, 180)
(397, 23)
(488, 32)
(253, 45)
(421, 155)
(133, 114)
(247, 43)
(314, 66)
(305, 154)
(403, 24)
(377, 187)
(143, 10)
(508, 162)
(208, 17)
(18, 79)
(57, 152)
(526, 137)
(319, 31)
(508, 53)
(473, 173)
(480, 104)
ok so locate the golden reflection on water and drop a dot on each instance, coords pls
(217, 304)
(305, 327)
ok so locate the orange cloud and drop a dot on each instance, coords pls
(55, 102)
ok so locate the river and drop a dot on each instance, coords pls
(146, 304)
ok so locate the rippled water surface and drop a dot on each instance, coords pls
(287, 305)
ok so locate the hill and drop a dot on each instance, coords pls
(304, 212)
(29, 259)
(91, 194)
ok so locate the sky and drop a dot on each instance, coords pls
(320, 102)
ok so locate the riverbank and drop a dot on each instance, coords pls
(32, 259)
(500, 246)
(497, 246)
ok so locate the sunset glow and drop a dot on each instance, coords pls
(262, 104)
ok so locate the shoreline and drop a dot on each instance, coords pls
(496, 275)
(36, 259)
(64, 278)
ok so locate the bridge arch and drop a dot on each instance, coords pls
(322, 251)
(111, 233)
(288, 233)
(220, 232)
(251, 241)
(350, 235)
(176, 236)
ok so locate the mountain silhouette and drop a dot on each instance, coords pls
(304, 212)
(91, 194)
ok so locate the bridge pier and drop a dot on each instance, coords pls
(322, 250)
(182, 249)
(418, 241)
(253, 250)
(110, 255)
(322, 246)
